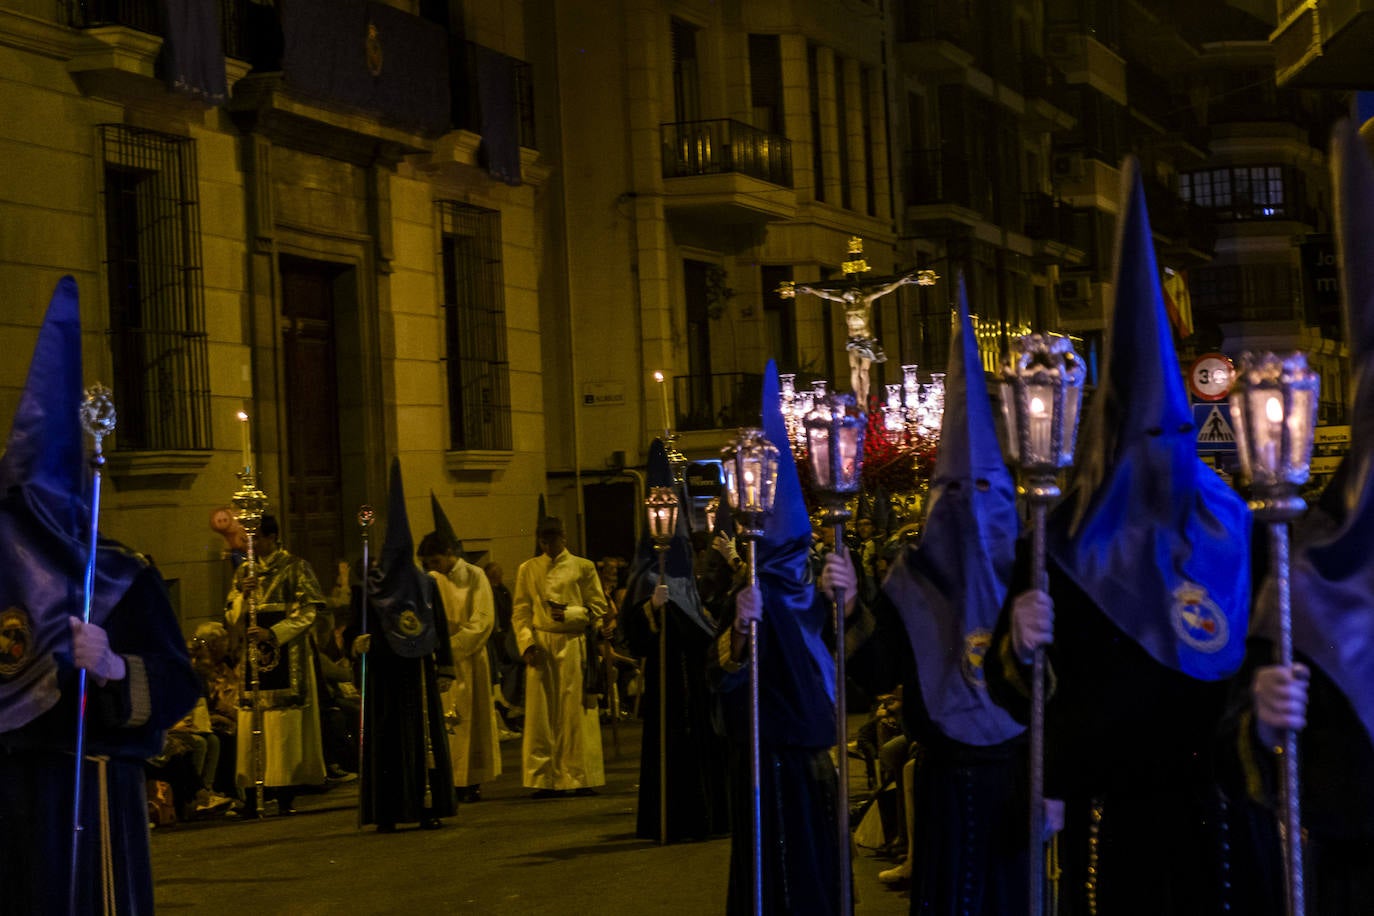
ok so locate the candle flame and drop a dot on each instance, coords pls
(1273, 410)
(1037, 407)
(658, 377)
(243, 417)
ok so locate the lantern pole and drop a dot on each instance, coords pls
(835, 434)
(1042, 394)
(1274, 408)
(751, 469)
(662, 507)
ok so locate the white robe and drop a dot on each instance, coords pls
(562, 740)
(469, 710)
(293, 743)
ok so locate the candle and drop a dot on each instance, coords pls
(247, 444)
(663, 390)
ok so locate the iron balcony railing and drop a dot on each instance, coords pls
(146, 16)
(723, 145)
(720, 400)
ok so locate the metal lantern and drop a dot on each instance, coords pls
(1041, 394)
(835, 443)
(750, 465)
(1274, 410)
(662, 507)
(712, 507)
(1042, 391)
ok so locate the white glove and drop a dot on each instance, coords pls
(1032, 623)
(659, 597)
(725, 546)
(748, 608)
(91, 651)
(1280, 700)
(838, 573)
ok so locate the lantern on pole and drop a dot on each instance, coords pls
(1042, 393)
(1274, 410)
(835, 441)
(750, 465)
(662, 508)
(712, 508)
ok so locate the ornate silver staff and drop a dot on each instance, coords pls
(1041, 395)
(249, 505)
(1274, 409)
(366, 516)
(98, 420)
(835, 445)
(662, 507)
(750, 466)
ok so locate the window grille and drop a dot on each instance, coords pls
(475, 328)
(156, 287)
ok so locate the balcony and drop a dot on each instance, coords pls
(1149, 98)
(727, 171)
(123, 58)
(1188, 233)
(467, 95)
(1048, 103)
(721, 400)
(944, 193)
(1324, 44)
(1050, 224)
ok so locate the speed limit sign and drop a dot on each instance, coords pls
(1210, 376)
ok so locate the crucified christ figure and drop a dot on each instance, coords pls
(857, 298)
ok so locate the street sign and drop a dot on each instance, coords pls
(1210, 377)
(1214, 431)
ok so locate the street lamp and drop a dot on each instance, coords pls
(662, 507)
(1274, 409)
(835, 440)
(1042, 391)
(750, 464)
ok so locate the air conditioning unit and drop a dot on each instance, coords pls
(1074, 289)
(1067, 165)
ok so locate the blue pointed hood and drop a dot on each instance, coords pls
(46, 448)
(1149, 532)
(44, 519)
(682, 586)
(950, 589)
(397, 588)
(1332, 577)
(791, 648)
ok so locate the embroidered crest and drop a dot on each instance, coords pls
(15, 641)
(976, 645)
(374, 50)
(267, 655)
(1197, 619)
(409, 625)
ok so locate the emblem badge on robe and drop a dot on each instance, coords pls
(1198, 620)
(15, 639)
(976, 645)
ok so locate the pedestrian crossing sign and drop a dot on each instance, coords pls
(1214, 430)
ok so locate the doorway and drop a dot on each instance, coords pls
(310, 361)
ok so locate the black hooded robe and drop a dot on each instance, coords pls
(125, 722)
(405, 729)
(698, 803)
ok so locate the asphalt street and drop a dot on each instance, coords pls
(508, 853)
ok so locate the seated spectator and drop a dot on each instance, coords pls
(211, 660)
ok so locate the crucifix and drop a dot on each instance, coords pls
(858, 293)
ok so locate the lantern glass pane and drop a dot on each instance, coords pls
(768, 468)
(1009, 398)
(1238, 423)
(1300, 414)
(1264, 404)
(1039, 423)
(1073, 399)
(730, 471)
(849, 441)
(818, 444)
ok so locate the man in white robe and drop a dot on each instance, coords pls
(288, 597)
(558, 598)
(469, 710)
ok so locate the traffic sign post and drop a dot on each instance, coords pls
(1210, 377)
